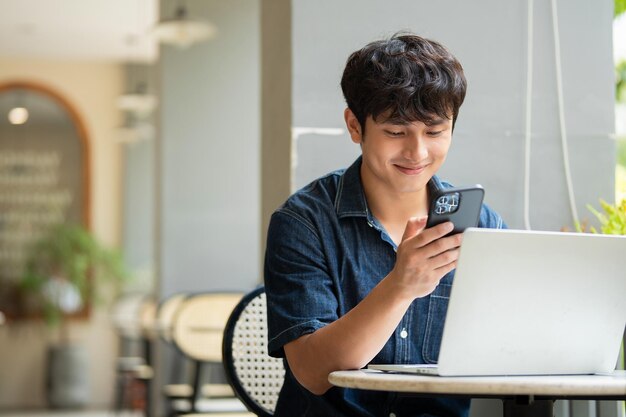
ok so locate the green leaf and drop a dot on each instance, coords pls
(601, 217)
(620, 81)
(578, 227)
(613, 220)
(620, 7)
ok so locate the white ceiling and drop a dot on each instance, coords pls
(115, 30)
(112, 30)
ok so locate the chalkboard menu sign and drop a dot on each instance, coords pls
(44, 178)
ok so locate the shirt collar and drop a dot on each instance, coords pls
(350, 200)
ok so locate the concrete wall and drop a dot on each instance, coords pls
(139, 183)
(23, 345)
(139, 213)
(489, 38)
(209, 153)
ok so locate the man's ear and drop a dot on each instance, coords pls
(353, 125)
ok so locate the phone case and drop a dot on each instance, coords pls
(460, 205)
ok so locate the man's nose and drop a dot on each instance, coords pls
(415, 148)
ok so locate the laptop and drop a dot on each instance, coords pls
(533, 303)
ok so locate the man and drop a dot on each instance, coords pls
(352, 275)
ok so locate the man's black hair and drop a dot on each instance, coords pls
(406, 78)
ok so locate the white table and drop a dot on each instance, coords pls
(523, 396)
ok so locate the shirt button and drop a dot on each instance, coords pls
(404, 333)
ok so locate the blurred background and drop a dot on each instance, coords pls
(161, 135)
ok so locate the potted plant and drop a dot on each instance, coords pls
(612, 221)
(67, 272)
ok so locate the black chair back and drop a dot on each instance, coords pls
(256, 377)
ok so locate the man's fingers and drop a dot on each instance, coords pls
(442, 271)
(431, 239)
(431, 234)
(413, 227)
(445, 258)
(442, 245)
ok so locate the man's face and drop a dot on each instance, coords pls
(400, 158)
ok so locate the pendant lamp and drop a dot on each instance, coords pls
(183, 31)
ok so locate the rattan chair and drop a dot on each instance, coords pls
(165, 315)
(197, 331)
(256, 377)
(173, 391)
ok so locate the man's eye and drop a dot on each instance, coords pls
(435, 133)
(394, 133)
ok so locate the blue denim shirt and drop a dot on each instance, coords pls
(325, 253)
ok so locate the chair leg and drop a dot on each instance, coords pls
(119, 394)
(148, 399)
(196, 385)
(123, 390)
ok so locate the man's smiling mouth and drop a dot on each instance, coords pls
(410, 170)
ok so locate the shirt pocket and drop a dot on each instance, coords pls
(437, 308)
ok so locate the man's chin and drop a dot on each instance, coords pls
(412, 188)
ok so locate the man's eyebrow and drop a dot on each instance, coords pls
(395, 122)
(435, 122)
(429, 122)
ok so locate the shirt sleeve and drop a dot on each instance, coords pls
(300, 296)
(490, 219)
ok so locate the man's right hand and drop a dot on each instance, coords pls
(424, 256)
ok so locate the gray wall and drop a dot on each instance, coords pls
(209, 153)
(138, 207)
(489, 38)
(139, 174)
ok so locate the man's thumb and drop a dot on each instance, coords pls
(414, 226)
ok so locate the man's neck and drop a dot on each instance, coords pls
(398, 207)
(393, 209)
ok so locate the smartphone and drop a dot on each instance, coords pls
(461, 206)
